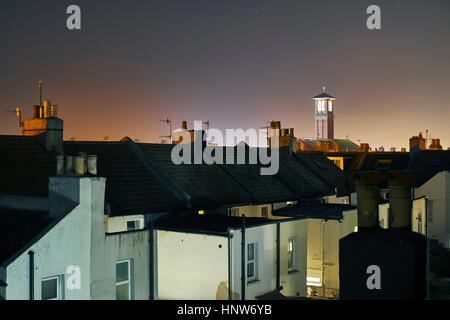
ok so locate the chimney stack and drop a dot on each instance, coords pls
(184, 125)
(367, 197)
(400, 198)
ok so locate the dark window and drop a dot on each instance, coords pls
(49, 289)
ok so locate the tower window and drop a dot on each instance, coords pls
(330, 106)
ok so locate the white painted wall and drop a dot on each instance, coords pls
(383, 215)
(191, 266)
(323, 248)
(67, 243)
(134, 246)
(119, 224)
(294, 283)
(265, 237)
(437, 190)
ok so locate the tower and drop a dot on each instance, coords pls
(323, 115)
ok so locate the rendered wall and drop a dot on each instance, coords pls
(191, 266)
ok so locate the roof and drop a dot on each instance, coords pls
(344, 145)
(325, 169)
(427, 163)
(25, 166)
(141, 177)
(272, 295)
(130, 187)
(17, 228)
(347, 145)
(207, 185)
(314, 209)
(323, 95)
(303, 180)
(207, 224)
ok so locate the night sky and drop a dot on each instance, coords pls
(237, 63)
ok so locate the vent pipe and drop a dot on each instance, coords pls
(367, 197)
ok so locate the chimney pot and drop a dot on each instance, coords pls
(184, 125)
(59, 164)
(79, 165)
(69, 164)
(92, 164)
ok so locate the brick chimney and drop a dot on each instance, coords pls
(47, 126)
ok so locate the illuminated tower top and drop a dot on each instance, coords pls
(323, 115)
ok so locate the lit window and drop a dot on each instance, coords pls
(201, 211)
(292, 254)
(123, 283)
(252, 263)
(355, 229)
(330, 106)
(51, 288)
(313, 281)
(133, 225)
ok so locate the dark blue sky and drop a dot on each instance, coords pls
(235, 63)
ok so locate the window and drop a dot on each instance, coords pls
(235, 212)
(330, 106)
(51, 288)
(133, 225)
(123, 283)
(265, 212)
(292, 254)
(252, 263)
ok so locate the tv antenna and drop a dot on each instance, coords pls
(18, 113)
(168, 122)
(267, 131)
(40, 92)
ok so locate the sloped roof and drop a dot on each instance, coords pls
(24, 166)
(314, 209)
(305, 182)
(207, 185)
(346, 145)
(427, 163)
(323, 95)
(325, 169)
(130, 187)
(207, 224)
(17, 228)
(141, 178)
(262, 188)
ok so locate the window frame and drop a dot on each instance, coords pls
(136, 221)
(128, 281)
(58, 286)
(294, 254)
(254, 261)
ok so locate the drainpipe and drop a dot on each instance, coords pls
(152, 267)
(230, 257)
(323, 257)
(277, 284)
(367, 198)
(31, 265)
(400, 199)
(427, 297)
(243, 258)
